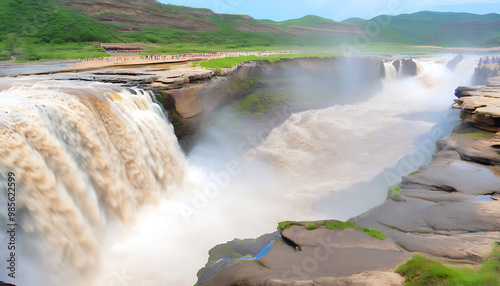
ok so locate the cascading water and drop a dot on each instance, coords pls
(82, 154)
(88, 154)
(390, 71)
(332, 149)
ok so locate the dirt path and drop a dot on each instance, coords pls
(12, 59)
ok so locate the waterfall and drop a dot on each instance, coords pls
(332, 149)
(83, 154)
(390, 71)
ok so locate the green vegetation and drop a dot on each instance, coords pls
(261, 100)
(242, 86)
(375, 233)
(273, 94)
(41, 30)
(159, 97)
(229, 62)
(306, 21)
(394, 193)
(312, 227)
(479, 134)
(68, 51)
(282, 226)
(333, 225)
(40, 21)
(262, 264)
(437, 28)
(422, 271)
(476, 134)
(414, 173)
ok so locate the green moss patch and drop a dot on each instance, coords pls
(394, 193)
(287, 224)
(261, 101)
(375, 233)
(217, 64)
(332, 225)
(420, 271)
(477, 134)
(312, 227)
(335, 224)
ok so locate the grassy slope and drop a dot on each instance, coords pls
(44, 21)
(232, 61)
(333, 225)
(420, 271)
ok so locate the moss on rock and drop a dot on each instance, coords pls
(394, 193)
(420, 271)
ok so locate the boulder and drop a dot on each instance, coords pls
(452, 65)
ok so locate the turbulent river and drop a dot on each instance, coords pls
(105, 196)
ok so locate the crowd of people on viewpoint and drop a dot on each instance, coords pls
(195, 56)
(488, 60)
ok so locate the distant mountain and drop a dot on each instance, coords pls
(437, 28)
(310, 21)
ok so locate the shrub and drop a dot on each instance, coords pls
(311, 227)
(394, 193)
(282, 226)
(420, 271)
(375, 233)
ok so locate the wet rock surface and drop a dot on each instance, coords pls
(148, 78)
(406, 67)
(448, 208)
(325, 257)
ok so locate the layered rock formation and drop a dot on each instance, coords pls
(448, 209)
(187, 93)
(480, 106)
(319, 256)
(454, 62)
(406, 67)
(195, 100)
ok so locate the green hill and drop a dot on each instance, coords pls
(44, 21)
(437, 28)
(310, 21)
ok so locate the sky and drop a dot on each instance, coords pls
(337, 10)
